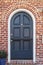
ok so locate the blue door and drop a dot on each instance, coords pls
(21, 32)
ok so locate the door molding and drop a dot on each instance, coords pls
(34, 32)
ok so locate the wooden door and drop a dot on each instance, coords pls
(21, 36)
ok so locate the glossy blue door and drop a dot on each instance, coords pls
(21, 36)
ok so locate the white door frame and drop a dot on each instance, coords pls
(34, 32)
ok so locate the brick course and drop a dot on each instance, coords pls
(36, 7)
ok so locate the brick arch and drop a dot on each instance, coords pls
(28, 6)
(14, 7)
(34, 28)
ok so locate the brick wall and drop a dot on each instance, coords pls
(36, 7)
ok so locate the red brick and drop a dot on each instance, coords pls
(7, 7)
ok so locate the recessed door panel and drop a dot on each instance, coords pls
(17, 20)
(17, 45)
(16, 32)
(26, 20)
(26, 32)
(26, 45)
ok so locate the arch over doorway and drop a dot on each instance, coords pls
(34, 32)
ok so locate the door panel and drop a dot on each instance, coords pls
(17, 45)
(26, 32)
(26, 45)
(16, 32)
(22, 36)
(17, 20)
(26, 20)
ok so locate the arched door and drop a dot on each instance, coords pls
(21, 34)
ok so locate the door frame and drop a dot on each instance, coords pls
(34, 33)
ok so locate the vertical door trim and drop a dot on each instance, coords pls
(34, 32)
